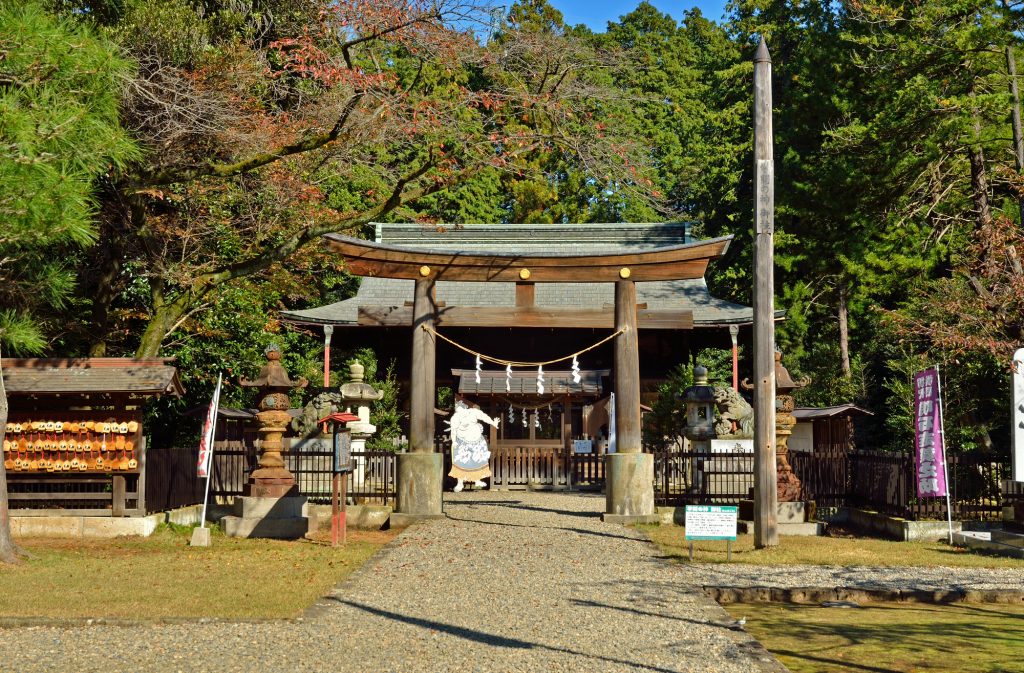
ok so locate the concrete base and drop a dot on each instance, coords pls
(894, 527)
(629, 485)
(278, 518)
(419, 484)
(626, 520)
(996, 542)
(401, 520)
(200, 537)
(100, 527)
(786, 512)
(807, 528)
(363, 517)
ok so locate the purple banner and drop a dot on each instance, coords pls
(928, 438)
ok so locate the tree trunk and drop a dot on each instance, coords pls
(844, 333)
(103, 294)
(9, 552)
(979, 178)
(165, 316)
(1018, 134)
(164, 319)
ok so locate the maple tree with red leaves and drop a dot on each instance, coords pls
(343, 114)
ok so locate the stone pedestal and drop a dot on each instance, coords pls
(279, 518)
(419, 487)
(794, 518)
(629, 488)
(787, 483)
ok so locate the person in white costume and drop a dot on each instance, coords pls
(470, 454)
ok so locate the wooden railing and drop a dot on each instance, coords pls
(521, 466)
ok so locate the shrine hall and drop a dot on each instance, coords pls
(479, 306)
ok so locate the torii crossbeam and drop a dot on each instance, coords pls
(629, 473)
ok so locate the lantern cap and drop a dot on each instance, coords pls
(700, 392)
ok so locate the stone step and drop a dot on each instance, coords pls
(288, 507)
(278, 529)
(806, 529)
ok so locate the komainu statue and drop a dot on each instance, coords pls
(736, 417)
(319, 407)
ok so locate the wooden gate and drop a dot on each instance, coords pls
(521, 467)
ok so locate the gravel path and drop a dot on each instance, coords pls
(854, 577)
(507, 582)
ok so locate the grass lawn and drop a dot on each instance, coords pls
(844, 551)
(161, 576)
(894, 638)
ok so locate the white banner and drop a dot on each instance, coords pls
(209, 429)
(611, 424)
(1017, 415)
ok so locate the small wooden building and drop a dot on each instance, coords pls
(74, 441)
(825, 429)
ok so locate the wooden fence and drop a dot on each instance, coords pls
(171, 474)
(883, 481)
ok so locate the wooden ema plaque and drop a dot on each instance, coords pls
(73, 442)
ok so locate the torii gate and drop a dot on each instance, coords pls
(629, 473)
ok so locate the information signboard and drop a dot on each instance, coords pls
(711, 522)
(583, 446)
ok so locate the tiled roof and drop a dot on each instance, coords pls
(681, 295)
(75, 376)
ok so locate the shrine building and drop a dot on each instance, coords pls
(520, 294)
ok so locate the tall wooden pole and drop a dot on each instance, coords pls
(766, 532)
(627, 370)
(422, 377)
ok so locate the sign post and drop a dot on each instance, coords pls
(341, 465)
(712, 522)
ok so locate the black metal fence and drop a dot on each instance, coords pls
(881, 481)
(689, 477)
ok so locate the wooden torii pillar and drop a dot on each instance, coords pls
(629, 473)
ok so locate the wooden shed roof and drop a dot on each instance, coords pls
(85, 376)
(812, 413)
(524, 382)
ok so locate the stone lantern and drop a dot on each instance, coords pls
(700, 422)
(272, 479)
(356, 393)
(700, 407)
(788, 485)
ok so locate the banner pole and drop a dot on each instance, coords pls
(945, 455)
(209, 460)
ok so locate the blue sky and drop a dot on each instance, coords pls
(597, 13)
